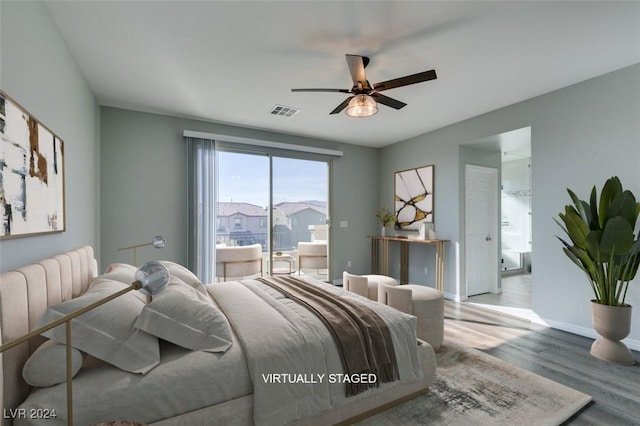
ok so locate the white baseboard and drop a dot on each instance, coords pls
(582, 331)
(450, 296)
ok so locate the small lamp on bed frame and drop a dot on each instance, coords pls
(158, 242)
(151, 279)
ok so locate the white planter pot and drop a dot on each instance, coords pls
(613, 323)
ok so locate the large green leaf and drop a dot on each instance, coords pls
(628, 273)
(633, 259)
(571, 255)
(629, 208)
(587, 262)
(617, 237)
(577, 229)
(593, 245)
(594, 223)
(581, 206)
(579, 257)
(612, 187)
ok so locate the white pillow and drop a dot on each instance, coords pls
(47, 366)
(122, 272)
(184, 275)
(179, 316)
(107, 332)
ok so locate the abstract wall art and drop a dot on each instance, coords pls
(414, 197)
(31, 174)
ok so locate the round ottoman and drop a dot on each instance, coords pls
(425, 303)
(428, 306)
(375, 281)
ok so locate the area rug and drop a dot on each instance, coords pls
(473, 388)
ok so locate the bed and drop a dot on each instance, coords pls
(268, 371)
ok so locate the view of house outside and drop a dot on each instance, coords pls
(299, 192)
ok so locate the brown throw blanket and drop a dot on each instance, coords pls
(363, 339)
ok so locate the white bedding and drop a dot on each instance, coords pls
(184, 381)
(272, 334)
(284, 338)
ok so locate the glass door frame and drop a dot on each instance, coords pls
(327, 219)
(272, 153)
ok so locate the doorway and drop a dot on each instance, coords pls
(515, 224)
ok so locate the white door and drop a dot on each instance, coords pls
(481, 252)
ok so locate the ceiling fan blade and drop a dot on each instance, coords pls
(406, 80)
(342, 106)
(356, 65)
(322, 90)
(390, 102)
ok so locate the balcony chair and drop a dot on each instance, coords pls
(312, 256)
(238, 261)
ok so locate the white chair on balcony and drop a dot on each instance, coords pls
(312, 256)
(319, 233)
(238, 261)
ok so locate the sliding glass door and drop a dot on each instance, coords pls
(278, 202)
(243, 197)
(300, 217)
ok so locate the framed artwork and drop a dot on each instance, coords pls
(31, 174)
(413, 202)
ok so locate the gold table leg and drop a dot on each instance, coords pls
(374, 256)
(440, 266)
(385, 258)
(404, 263)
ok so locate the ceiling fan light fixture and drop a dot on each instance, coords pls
(362, 106)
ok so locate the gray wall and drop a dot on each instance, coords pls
(143, 187)
(581, 135)
(38, 72)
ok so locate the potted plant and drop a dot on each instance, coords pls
(386, 218)
(604, 246)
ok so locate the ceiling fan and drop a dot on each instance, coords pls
(363, 102)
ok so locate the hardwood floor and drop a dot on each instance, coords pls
(516, 293)
(554, 354)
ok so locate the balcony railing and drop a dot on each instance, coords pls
(282, 241)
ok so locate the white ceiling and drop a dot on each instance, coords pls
(232, 62)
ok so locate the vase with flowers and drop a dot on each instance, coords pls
(386, 218)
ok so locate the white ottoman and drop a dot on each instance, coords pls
(425, 303)
(375, 281)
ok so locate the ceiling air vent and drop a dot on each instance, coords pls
(284, 111)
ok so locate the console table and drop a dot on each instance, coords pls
(380, 257)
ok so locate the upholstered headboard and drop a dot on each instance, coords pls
(25, 294)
